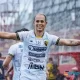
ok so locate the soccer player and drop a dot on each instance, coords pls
(15, 54)
(37, 44)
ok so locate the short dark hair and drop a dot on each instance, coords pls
(43, 15)
(23, 29)
(50, 59)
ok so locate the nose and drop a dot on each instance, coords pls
(40, 22)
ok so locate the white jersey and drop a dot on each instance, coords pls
(16, 51)
(35, 55)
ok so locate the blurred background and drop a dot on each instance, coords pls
(63, 17)
(14, 15)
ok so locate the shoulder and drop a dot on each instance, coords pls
(31, 32)
(15, 46)
(18, 45)
(51, 35)
(25, 32)
(12, 46)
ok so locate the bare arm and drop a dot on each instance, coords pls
(69, 42)
(7, 35)
(9, 70)
(7, 61)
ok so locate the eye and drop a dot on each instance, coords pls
(42, 21)
(37, 21)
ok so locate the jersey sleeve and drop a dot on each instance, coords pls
(22, 35)
(12, 50)
(54, 40)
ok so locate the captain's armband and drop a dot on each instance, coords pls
(57, 42)
(18, 38)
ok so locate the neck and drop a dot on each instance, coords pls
(39, 34)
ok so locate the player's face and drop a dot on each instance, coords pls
(40, 23)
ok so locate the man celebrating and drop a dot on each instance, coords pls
(37, 44)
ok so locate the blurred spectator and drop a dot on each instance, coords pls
(1, 68)
(51, 70)
(60, 76)
(74, 74)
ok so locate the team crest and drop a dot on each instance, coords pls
(46, 43)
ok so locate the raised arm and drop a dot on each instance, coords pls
(69, 42)
(8, 35)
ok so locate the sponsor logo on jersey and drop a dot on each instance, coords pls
(38, 42)
(38, 55)
(36, 48)
(35, 66)
(33, 59)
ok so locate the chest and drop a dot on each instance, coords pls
(41, 42)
